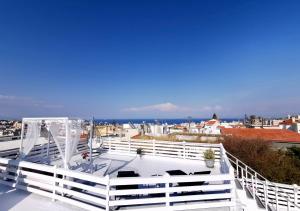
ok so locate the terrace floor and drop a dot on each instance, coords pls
(145, 166)
(18, 200)
(103, 164)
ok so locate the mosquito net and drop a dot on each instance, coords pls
(38, 131)
(32, 131)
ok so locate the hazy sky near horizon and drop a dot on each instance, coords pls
(149, 59)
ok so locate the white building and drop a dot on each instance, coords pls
(296, 127)
(158, 130)
(211, 127)
(290, 124)
(129, 130)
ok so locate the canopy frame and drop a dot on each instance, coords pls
(71, 129)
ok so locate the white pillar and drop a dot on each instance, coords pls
(167, 188)
(109, 144)
(91, 144)
(233, 188)
(153, 147)
(48, 146)
(256, 188)
(237, 168)
(252, 187)
(276, 196)
(296, 194)
(129, 145)
(107, 193)
(22, 137)
(246, 172)
(67, 144)
(266, 194)
(184, 150)
(54, 183)
(242, 175)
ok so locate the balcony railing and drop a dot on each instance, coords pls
(271, 195)
(92, 192)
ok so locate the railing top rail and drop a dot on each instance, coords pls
(26, 164)
(169, 178)
(164, 142)
(226, 159)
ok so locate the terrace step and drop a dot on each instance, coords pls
(244, 199)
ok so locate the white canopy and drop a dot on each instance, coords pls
(64, 131)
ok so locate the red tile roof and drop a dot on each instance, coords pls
(286, 122)
(210, 122)
(179, 127)
(274, 135)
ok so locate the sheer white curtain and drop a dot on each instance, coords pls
(57, 131)
(72, 139)
(30, 138)
(66, 136)
(65, 133)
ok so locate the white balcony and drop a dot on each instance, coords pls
(153, 188)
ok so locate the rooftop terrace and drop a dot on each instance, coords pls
(102, 188)
(149, 184)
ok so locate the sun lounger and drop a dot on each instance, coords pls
(127, 174)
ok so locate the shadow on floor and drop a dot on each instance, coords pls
(9, 197)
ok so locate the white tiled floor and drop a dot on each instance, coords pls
(18, 200)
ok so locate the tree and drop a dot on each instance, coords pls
(215, 116)
(276, 165)
(294, 151)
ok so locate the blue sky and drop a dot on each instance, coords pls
(154, 59)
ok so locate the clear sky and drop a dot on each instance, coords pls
(160, 59)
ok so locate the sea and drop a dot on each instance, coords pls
(161, 121)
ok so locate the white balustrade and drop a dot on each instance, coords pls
(275, 195)
(92, 192)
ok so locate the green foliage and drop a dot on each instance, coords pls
(295, 151)
(209, 154)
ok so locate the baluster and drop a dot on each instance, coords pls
(237, 168)
(109, 144)
(266, 195)
(184, 150)
(295, 194)
(243, 183)
(167, 188)
(54, 183)
(129, 146)
(107, 193)
(246, 172)
(276, 196)
(256, 188)
(252, 186)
